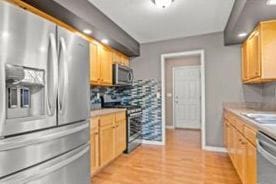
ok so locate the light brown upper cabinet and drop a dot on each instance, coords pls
(105, 57)
(100, 65)
(258, 54)
(119, 58)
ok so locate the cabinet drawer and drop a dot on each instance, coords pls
(250, 134)
(239, 125)
(106, 120)
(120, 116)
(227, 115)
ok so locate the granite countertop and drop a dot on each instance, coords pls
(104, 111)
(238, 110)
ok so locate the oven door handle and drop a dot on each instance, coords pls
(271, 158)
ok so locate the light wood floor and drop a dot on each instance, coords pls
(181, 161)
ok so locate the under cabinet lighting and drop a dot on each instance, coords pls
(87, 31)
(241, 35)
(271, 2)
(105, 41)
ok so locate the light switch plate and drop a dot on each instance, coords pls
(158, 95)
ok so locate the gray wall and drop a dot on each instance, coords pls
(223, 75)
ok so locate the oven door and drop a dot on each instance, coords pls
(123, 75)
(134, 126)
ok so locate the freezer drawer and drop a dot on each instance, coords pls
(24, 151)
(70, 168)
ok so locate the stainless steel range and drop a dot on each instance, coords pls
(134, 121)
(44, 101)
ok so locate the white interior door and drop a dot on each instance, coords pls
(187, 97)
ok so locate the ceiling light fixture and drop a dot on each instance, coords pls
(87, 31)
(105, 41)
(163, 3)
(241, 35)
(271, 2)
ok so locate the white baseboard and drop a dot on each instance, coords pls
(169, 127)
(152, 142)
(215, 149)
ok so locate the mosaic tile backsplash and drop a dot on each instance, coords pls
(145, 93)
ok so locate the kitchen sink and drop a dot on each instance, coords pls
(262, 118)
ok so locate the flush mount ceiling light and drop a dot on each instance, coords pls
(87, 31)
(271, 2)
(163, 3)
(241, 35)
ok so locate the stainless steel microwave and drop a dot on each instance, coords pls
(122, 75)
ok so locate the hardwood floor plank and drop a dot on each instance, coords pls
(181, 161)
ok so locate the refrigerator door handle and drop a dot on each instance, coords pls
(44, 170)
(19, 142)
(63, 71)
(52, 83)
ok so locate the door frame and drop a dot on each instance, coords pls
(201, 53)
(173, 89)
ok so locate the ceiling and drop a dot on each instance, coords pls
(148, 23)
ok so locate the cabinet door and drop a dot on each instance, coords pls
(125, 60)
(243, 158)
(95, 65)
(94, 145)
(251, 168)
(116, 58)
(226, 133)
(106, 144)
(106, 65)
(254, 56)
(268, 48)
(95, 159)
(107, 138)
(245, 62)
(120, 137)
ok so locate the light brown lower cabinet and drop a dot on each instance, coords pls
(241, 147)
(110, 140)
(94, 142)
(251, 164)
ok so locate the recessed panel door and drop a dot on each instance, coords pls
(187, 97)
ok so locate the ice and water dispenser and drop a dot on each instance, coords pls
(25, 92)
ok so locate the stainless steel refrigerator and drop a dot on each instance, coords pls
(44, 101)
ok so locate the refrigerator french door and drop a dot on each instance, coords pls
(44, 101)
(27, 44)
(73, 90)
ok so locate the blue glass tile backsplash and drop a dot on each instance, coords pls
(145, 93)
